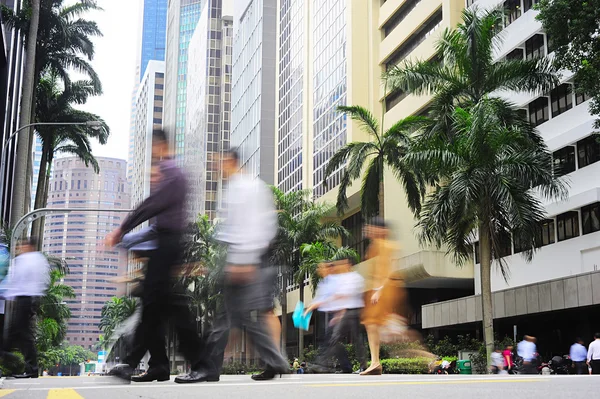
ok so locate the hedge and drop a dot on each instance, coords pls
(418, 365)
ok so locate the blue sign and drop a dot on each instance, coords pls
(101, 356)
(4, 260)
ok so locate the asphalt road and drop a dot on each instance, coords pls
(312, 386)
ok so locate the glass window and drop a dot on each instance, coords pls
(581, 97)
(516, 54)
(568, 225)
(528, 4)
(564, 160)
(561, 99)
(538, 111)
(513, 11)
(534, 47)
(545, 234)
(590, 218)
(588, 151)
(357, 241)
(399, 16)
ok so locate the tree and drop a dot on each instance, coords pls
(301, 221)
(113, 313)
(386, 149)
(480, 154)
(318, 252)
(53, 313)
(572, 27)
(55, 104)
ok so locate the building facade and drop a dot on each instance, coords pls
(253, 92)
(556, 296)
(182, 18)
(208, 106)
(154, 33)
(77, 237)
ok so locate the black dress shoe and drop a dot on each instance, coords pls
(122, 372)
(196, 376)
(156, 374)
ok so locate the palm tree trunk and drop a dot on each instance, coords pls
(40, 193)
(284, 312)
(20, 179)
(486, 290)
(301, 331)
(381, 199)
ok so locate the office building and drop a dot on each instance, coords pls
(208, 106)
(555, 297)
(37, 158)
(182, 18)
(154, 33)
(77, 236)
(253, 92)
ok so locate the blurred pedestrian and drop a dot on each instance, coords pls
(593, 355)
(159, 300)
(385, 294)
(249, 225)
(27, 281)
(526, 349)
(509, 362)
(497, 361)
(578, 355)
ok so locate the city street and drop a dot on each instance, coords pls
(311, 387)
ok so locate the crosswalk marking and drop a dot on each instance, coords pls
(64, 393)
(5, 392)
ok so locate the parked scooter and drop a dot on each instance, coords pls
(560, 365)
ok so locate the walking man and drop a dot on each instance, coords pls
(578, 356)
(526, 349)
(249, 225)
(593, 355)
(159, 300)
(27, 282)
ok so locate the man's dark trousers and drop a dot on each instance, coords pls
(21, 331)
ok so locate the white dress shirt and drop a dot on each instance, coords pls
(594, 350)
(526, 350)
(348, 289)
(29, 276)
(250, 220)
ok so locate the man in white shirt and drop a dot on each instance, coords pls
(27, 281)
(345, 298)
(593, 355)
(526, 349)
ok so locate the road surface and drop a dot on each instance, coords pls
(312, 386)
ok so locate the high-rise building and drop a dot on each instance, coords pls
(254, 91)
(208, 106)
(148, 116)
(76, 237)
(37, 158)
(561, 285)
(154, 32)
(182, 17)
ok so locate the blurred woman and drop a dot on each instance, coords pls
(384, 294)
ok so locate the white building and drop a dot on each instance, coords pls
(148, 116)
(563, 276)
(253, 93)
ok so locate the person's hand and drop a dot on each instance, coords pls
(375, 297)
(113, 238)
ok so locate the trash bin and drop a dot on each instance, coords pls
(464, 366)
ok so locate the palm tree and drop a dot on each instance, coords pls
(318, 252)
(301, 221)
(113, 313)
(481, 179)
(53, 313)
(55, 104)
(386, 149)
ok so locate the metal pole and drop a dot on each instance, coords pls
(14, 134)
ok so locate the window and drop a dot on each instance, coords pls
(528, 4)
(505, 246)
(357, 241)
(61, 185)
(534, 47)
(394, 99)
(545, 235)
(588, 151)
(564, 160)
(78, 184)
(581, 97)
(561, 99)
(516, 54)
(538, 111)
(590, 218)
(568, 225)
(85, 184)
(399, 16)
(513, 8)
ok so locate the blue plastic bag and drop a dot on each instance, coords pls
(300, 321)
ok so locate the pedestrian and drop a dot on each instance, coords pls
(345, 299)
(384, 292)
(593, 355)
(509, 362)
(296, 367)
(497, 361)
(161, 299)
(249, 225)
(578, 355)
(526, 349)
(26, 283)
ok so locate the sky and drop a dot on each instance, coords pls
(115, 62)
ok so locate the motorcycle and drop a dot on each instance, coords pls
(444, 367)
(560, 365)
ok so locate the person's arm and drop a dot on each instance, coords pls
(312, 307)
(589, 354)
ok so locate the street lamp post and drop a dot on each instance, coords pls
(5, 144)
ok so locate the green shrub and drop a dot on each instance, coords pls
(406, 366)
(14, 364)
(239, 368)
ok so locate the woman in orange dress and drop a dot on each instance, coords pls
(384, 293)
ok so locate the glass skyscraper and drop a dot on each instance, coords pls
(154, 32)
